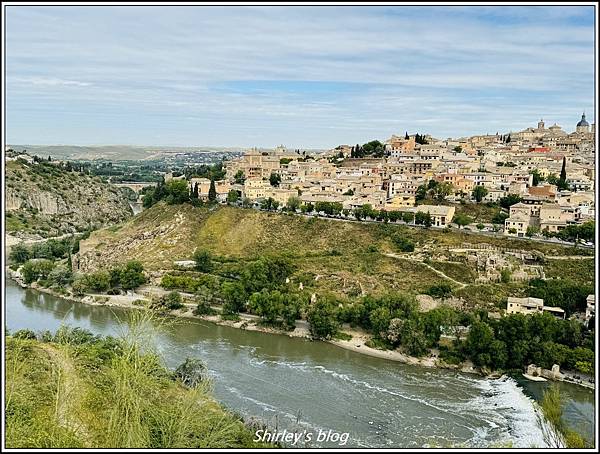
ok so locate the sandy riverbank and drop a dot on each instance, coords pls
(251, 323)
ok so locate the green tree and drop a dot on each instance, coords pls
(132, 275)
(233, 196)
(98, 281)
(322, 318)
(60, 276)
(462, 219)
(234, 297)
(177, 192)
(537, 178)
(203, 259)
(239, 177)
(293, 203)
(212, 191)
(562, 181)
(479, 192)
(275, 179)
(19, 253)
(36, 269)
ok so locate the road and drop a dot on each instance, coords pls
(456, 228)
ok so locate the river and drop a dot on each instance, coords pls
(301, 385)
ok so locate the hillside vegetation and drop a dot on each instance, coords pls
(48, 200)
(75, 390)
(347, 258)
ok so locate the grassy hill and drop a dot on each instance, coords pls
(48, 200)
(75, 390)
(346, 258)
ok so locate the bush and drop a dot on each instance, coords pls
(191, 372)
(403, 244)
(19, 253)
(203, 261)
(36, 269)
(440, 290)
(98, 281)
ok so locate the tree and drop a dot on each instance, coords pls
(267, 304)
(176, 192)
(509, 200)
(233, 196)
(537, 178)
(478, 342)
(239, 177)
(98, 281)
(479, 192)
(562, 181)
(458, 148)
(293, 203)
(322, 318)
(36, 269)
(380, 320)
(234, 297)
(132, 275)
(421, 192)
(406, 137)
(212, 191)
(412, 338)
(462, 219)
(532, 230)
(440, 290)
(60, 276)
(442, 190)
(275, 179)
(423, 218)
(203, 261)
(19, 253)
(195, 193)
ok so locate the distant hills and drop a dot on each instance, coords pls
(113, 152)
(120, 152)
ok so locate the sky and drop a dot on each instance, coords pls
(304, 77)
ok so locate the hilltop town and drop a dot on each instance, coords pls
(543, 176)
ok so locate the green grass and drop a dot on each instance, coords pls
(348, 257)
(489, 296)
(78, 391)
(581, 271)
(457, 271)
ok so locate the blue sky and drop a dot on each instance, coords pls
(306, 77)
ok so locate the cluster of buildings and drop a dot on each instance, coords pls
(503, 164)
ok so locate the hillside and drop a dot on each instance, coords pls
(47, 200)
(75, 390)
(347, 258)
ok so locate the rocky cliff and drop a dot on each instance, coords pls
(43, 199)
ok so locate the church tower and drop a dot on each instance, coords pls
(583, 126)
(541, 125)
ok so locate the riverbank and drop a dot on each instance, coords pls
(275, 379)
(249, 322)
(358, 342)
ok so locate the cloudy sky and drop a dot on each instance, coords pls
(309, 77)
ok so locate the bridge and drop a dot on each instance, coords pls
(136, 186)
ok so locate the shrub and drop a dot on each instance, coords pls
(36, 269)
(191, 372)
(403, 244)
(440, 290)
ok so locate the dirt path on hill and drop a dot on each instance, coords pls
(68, 395)
(436, 271)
